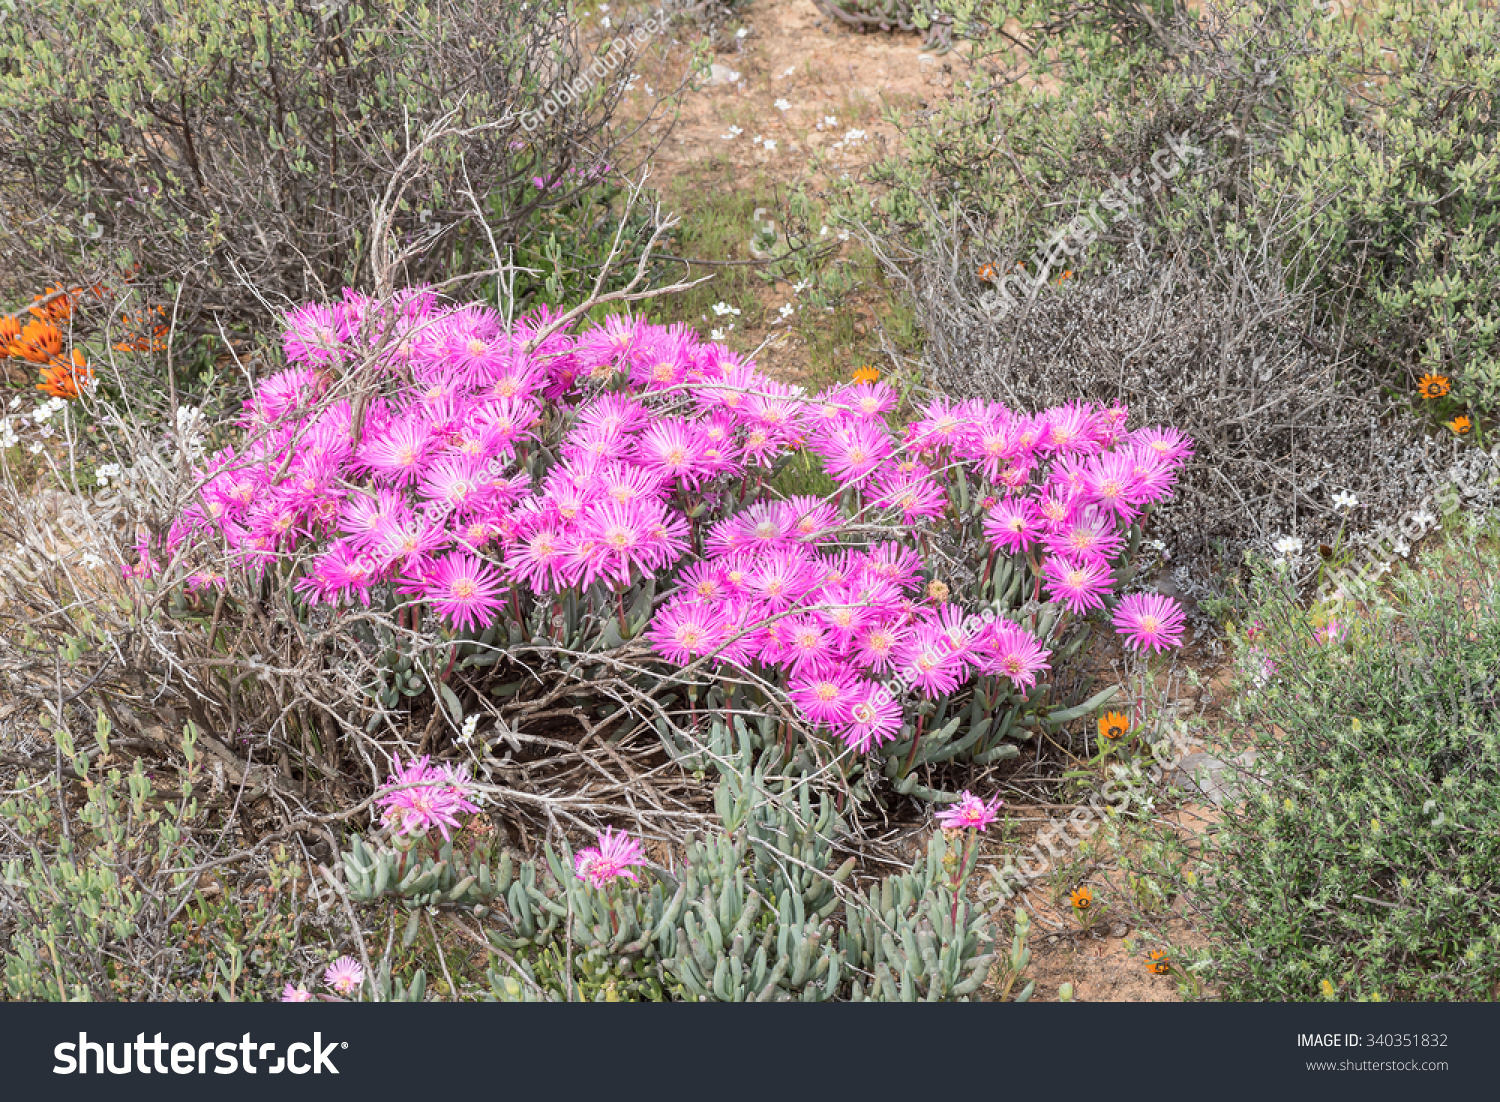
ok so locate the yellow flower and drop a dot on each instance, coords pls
(1328, 989)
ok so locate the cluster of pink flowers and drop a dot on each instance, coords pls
(492, 476)
(344, 975)
(422, 796)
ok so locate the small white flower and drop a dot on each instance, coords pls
(46, 431)
(790, 69)
(1345, 500)
(756, 140)
(823, 232)
(8, 438)
(830, 121)
(631, 81)
(787, 310)
(734, 132)
(106, 472)
(800, 286)
(41, 413)
(470, 726)
(16, 401)
(716, 334)
(1288, 545)
(604, 22)
(770, 144)
(1156, 545)
(782, 105)
(853, 137)
(1424, 518)
(36, 447)
(843, 235)
(734, 76)
(722, 308)
(1402, 548)
(650, 91)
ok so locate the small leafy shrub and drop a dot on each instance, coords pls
(1361, 864)
(1279, 293)
(230, 154)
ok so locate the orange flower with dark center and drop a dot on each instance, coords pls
(1112, 725)
(64, 378)
(1460, 424)
(1158, 962)
(54, 305)
(1082, 898)
(866, 376)
(1432, 386)
(10, 331)
(39, 342)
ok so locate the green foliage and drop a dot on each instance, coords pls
(760, 910)
(1360, 152)
(1365, 855)
(235, 150)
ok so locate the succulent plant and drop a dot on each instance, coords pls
(894, 15)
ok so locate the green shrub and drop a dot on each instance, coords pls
(237, 150)
(1362, 864)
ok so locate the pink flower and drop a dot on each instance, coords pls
(874, 717)
(430, 796)
(294, 994)
(1331, 632)
(1013, 525)
(929, 663)
(613, 858)
(1149, 621)
(1079, 586)
(682, 631)
(1012, 652)
(1110, 480)
(344, 975)
(970, 813)
(465, 589)
(825, 697)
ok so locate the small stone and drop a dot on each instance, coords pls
(1119, 930)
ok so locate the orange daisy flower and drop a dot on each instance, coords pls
(39, 341)
(1460, 424)
(10, 331)
(1082, 898)
(59, 308)
(1112, 725)
(867, 375)
(1433, 386)
(1158, 962)
(64, 378)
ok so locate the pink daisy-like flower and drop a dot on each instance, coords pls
(780, 578)
(1012, 652)
(825, 697)
(1168, 443)
(874, 717)
(670, 449)
(808, 518)
(929, 664)
(422, 796)
(1110, 480)
(465, 589)
(1149, 621)
(1079, 586)
(615, 856)
(806, 645)
(970, 813)
(918, 498)
(875, 647)
(1331, 632)
(291, 993)
(344, 975)
(685, 630)
(851, 452)
(1086, 539)
(1013, 525)
(312, 334)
